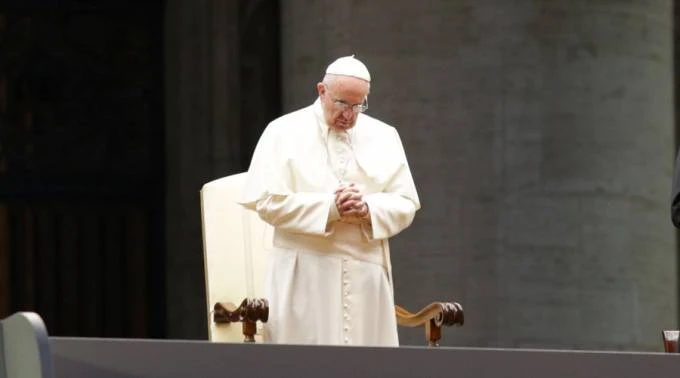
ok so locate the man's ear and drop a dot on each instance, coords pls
(321, 88)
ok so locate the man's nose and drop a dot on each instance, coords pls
(349, 112)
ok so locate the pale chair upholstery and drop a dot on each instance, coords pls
(235, 242)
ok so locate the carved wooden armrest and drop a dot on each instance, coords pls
(433, 316)
(670, 340)
(248, 313)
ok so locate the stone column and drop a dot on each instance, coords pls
(540, 134)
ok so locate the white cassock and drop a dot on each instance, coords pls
(330, 282)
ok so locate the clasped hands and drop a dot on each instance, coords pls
(350, 203)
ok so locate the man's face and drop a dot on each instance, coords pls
(340, 98)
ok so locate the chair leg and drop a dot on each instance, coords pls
(249, 330)
(433, 333)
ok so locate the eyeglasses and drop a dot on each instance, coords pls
(358, 108)
(343, 106)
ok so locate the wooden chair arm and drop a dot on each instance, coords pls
(248, 313)
(433, 317)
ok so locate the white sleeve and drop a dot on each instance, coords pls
(393, 209)
(390, 214)
(307, 213)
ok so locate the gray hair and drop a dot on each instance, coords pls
(329, 81)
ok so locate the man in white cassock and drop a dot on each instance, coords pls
(335, 185)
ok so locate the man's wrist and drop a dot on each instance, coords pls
(333, 213)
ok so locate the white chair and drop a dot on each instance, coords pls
(234, 248)
(235, 243)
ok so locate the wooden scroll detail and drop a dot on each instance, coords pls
(670, 340)
(433, 316)
(248, 313)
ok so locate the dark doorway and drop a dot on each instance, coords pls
(82, 165)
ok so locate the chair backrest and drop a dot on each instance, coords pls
(235, 241)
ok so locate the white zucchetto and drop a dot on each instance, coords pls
(349, 66)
